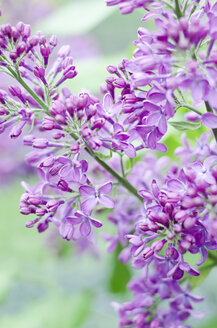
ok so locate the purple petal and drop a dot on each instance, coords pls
(209, 161)
(143, 130)
(178, 274)
(149, 15)
(117, 127)
(88, 205)
(96, 223)
(153, 118)
(162, 125)
(66, 230)
(130, 151)
(150, 106)
(156, 97)
(86, 190)
(74, 219)
(152, 140)
(107, 201)
(85, 228)
(138, 263)
(161, 147)
(65, 171)
(175, 185)
(204, 255)
(106, 188)
(194, 272)
(41, 174)
(145, 194)
(107, 102)
(135, 240)
(209, 120)
(199, 89)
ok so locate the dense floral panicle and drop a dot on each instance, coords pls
(175, 215)
(158, 219)
(146, 310)
(49, 200)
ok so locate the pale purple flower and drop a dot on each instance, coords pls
(96, 196)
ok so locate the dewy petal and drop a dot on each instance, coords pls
(106, 188)
(86, 190)
(88, 205)
(106, 201)
(209, 120)
(85, 228)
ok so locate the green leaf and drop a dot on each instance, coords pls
(210, 324)
(75, 17)
(120, 274)
(183, 125)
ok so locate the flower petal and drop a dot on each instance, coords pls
(96, 223)
(106, 188)
(130, 151)
(107, 201)
(107, 102)
(86, 190)
(85, 228)
(209, 120)
(88, 205)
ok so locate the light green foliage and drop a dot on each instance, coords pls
(183, 125)
(120, 274)
(75, 17)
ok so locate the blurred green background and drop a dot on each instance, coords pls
(44, 282)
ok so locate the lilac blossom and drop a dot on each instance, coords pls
(94, 197)
(160, 217)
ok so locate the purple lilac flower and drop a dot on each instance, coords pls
(94, 197)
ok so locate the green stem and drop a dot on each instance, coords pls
(189, 107)
(124, 182)
(177, 9)
(122, 166)
(209, 110)
(30, 91)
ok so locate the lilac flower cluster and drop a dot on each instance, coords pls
(85, 148)
(150, 290)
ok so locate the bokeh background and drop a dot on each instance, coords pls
(44, 281)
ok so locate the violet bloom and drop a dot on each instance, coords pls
(120, 141)
(85, 222)
(94, 197)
